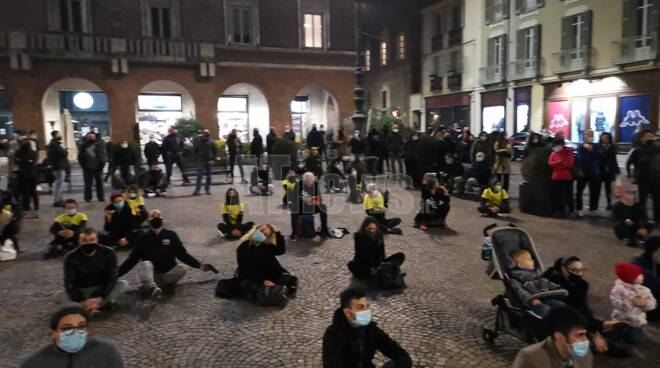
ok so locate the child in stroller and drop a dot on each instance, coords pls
(528, 282)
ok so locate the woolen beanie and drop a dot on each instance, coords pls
(627, 272)
(115, 195)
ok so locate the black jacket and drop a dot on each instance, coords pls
(259, 262)
(394, 142)
(257, 145)
(82, 271)
(161, 249)
(57, 155)
(153, 179)
(358, 147)
(25, 159)
(377, 147)
(314, 138)
(313, 164)
(271, 138)
(290, 135)
(578, 290)
(410, 149)
(122, 223)
(171, 144)
(635, 213)
(345, 346)
(95, 162)
(205, 150)
(124, 157)
(641, 158)
(609, 167)
(453, 170)
(152, 152)
(480, 171)
(369, 252)
(233, 144)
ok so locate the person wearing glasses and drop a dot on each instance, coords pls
(72, 347)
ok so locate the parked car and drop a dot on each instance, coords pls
(519, 144)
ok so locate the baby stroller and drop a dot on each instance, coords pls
(513, 317)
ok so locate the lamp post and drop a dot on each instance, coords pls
(359, 115)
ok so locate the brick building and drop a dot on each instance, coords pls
(108, 65)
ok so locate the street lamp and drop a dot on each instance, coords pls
(359, 115)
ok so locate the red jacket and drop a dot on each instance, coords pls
(562, 164)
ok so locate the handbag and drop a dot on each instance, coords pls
(271, 296)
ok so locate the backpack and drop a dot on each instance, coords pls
(306, 227)
(271, 296)
(389, 276)
(228, 288)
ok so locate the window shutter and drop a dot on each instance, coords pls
(586, 28)
(519, 6)
(566, 33)
(520, 44)
(540, 3)
(504, 49)
(490, 11)
(628, 26)
(654, 19)
(506, 8)
(53, 8)
(491, 52)
(145, 11)
(537, 41)
(87, 23)
(175, 13)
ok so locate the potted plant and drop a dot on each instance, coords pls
(534, 191)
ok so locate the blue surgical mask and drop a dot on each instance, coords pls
(259, 237)
(71, 212)
(580, 349)
(72, 341)
(362, 318)
(119, 205)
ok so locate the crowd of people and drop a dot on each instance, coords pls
(463, 166)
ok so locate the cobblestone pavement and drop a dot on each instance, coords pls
(438, 318)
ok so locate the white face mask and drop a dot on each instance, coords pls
(497, 188)
(414, 138)
(483, 139)
(556, 148)
(124, 145)
(395, 130)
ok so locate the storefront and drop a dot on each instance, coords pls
(6, 120)
(300, 115)
(447, 110)
(493, 111)
(156, 113)
(233, 114)
(522, 104)
(89, 111)
(617, 105)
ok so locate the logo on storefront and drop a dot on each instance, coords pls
(634, 118)
(558, 123)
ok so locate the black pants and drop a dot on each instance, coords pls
(411, 170)
(504, 208)
(384, 224)
(234, 159)
(27, 187)
(607, 184)
(125, 173)
(623, 231)
(594, 192)
(649, 189)
(362, 270)
(90, 176)
(228, 228)
(64, 243)
(562, 196)
(504, 180)
(170, 159)
(320, 209)
(429, 216)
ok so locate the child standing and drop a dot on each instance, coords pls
(630, 299)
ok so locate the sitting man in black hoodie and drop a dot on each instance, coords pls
(154, 182)
(120, 228)
(477, 177)
(451, 172)
(353, 338)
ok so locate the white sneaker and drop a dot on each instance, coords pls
(579, 213)
(151, 195)
(221, 233)
(163, 194)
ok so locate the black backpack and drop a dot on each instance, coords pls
(228, 288)
(389, 276)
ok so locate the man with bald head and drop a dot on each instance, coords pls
(157, 251)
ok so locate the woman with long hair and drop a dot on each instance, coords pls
(232, 226)
(503, 151)
(370, 250)
(609, 167)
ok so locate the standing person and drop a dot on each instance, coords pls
(152, 151)
(59, 161)
(340, 143)
(464, 146)
(640, 159)
(271, 138)
(172, 149)
(257, 145)
(308, 201)
(503, 151)
(358, 145)
(289, 134)
(394, 148)
(410, 157)
(377, 147)
(157, 252)
(352, 327)
(609, 167)
(205, 153)
(92, 158)
(561, 161)
(324, 143)
(25, 159)
(588, 162)
(124, 158)
(314, 138)
(370, 250)
(234, 148)
(72, 347)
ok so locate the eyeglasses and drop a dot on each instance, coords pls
(68, 330)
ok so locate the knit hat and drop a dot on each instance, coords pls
(627, 272)
(115, 195)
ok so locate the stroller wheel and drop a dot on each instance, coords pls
(488, 335)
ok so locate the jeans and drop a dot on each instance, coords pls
(93, 175)
(235, 159)
(545, 306)
(150, 279)
(58, 193)
(203, 168)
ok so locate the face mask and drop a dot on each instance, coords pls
(119, 205)
(479, 158)
(580, 349)
(556, 148)
(395, 130)
(232, 200)
(374, 193)
(497, 188)
(132, 195)
(58, 138)
(71, 212)
(156, 222)
(414, 138)
(483, 139)
(588, 139)
(354, 172)
(362, 318)
(291, 179)
(124, 145)
(259, 237)
(89, 248)
(72, 341)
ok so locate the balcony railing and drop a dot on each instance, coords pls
(572, 60)
(492, 74)
(436, 82)
(456, 37)
(163, 49)
(636, 49)
(61, 44)
(524, 69)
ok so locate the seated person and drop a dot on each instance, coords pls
(313, 162)
(335, 178)
(9, 229)
(258, 266)
(120, 227)
(649, 261)
(434, 206)
(495, 200)
(370, 250)
(451, 173)
(288, 184)
(527, 281)
(352, 326)
(260, 182)
(375, 206)
(157, 251)
(90, 274)
(135, 202)
(232, 226)
(308, 202)
(476, 176)
(630, 299)
(66, 229)
(631, 224)
(71, 344)
(154, 182)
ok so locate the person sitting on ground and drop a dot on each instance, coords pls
(630, 299)
(313, 162)
(370, 250)
(352, 326)
(66, 229)
(495, 200)
(631, 224)
(232, 226)
(135, 202)
(308, 202)
(649, 261)
(375, 206)
(288, 184)
(260, 182)
(477, 177)
(335, 178)
(157, 251)
(120, 225)
(527, 282)
(154, 182)
(9, 229)
(258, 266)
(567, 345)
(451, 173)
(90, 275)
(434, 206)
(72, 347)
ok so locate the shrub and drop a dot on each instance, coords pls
(188, 127)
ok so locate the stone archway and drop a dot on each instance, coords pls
(243, 107)
(314, 104)
(159, 105)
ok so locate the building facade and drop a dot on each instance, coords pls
(109, 65)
